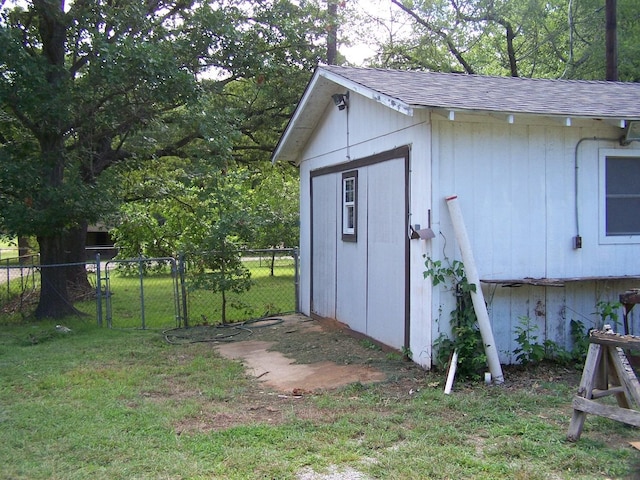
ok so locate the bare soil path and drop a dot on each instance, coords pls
(283, 373)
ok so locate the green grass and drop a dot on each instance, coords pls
(122, 404)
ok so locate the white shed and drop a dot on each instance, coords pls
(548, 180)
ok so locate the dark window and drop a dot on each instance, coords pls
(622, 184)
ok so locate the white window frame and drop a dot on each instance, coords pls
(602, 198)
(350, 231)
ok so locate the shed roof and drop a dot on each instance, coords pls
(405, 91)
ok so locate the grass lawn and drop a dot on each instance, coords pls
(118, 404)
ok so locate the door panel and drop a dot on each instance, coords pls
(386, 262)
(351, 307)
(363, 283)
(324, 237)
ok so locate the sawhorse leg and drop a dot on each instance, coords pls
(589, 375)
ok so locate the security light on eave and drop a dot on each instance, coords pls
(632, 132)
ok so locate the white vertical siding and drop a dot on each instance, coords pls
(515, 183)
(304, 288)
(516, 188)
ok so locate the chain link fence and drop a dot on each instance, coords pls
(272, 288)
(168, 292)
(19, 283)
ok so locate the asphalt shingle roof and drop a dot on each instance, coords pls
(576, 98)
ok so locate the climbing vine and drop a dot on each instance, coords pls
(466, 340)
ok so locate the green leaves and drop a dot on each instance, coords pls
(454, 273)
(530, 38)
(466, 340)
(529, 349)
(92, 92)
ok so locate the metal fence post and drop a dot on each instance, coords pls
(8, 279)
(98, 290)
(183, 288)
(296, 278)
(107, 292)
(141, 273)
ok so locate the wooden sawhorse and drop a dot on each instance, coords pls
(607, 372)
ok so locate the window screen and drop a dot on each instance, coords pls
(622, 184)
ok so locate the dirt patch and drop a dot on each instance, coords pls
(300, 356)
(283, 374)
(296, 359)
(298, 352)
(293, 361)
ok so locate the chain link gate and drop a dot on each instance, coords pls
(161, 292)
(139, 293)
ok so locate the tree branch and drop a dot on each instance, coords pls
(491, 16)
(441, 33)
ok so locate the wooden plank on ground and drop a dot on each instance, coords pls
(624, 415)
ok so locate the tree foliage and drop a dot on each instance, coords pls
(225, 227)
(98, 83)
(532, 38)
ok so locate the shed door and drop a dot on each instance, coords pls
(363, 283)
(324, 231)
(386, 259)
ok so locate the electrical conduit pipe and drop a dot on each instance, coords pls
(477, 297)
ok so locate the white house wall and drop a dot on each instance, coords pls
(373, 128)
(516, 188)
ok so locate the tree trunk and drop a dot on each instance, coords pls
(611, 40)
(273, 261)
(75, 246)
(24, 249)
(54, 294)
(332, 32)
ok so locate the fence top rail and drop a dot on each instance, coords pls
(20, 257)
(141, 260)
(242, 251)
(4, 262)
(270, 250)
(62, 265)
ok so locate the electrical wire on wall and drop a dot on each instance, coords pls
(348, 140)
(578, 239)
(341, 100)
